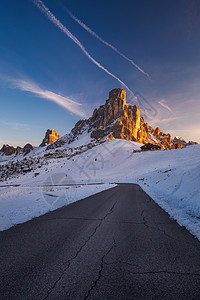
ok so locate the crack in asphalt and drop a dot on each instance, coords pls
(110, 211)
(163, 231)
(100, 270)
(151, 272)
(145, 222)
(79, 250)
(71, 260)
(164, 272)
(148, 225)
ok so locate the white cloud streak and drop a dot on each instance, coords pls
(104, 42)
(15, 125)
(29, 86)
(64, 29)
(163, 103)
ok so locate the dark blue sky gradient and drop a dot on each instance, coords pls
(162, 37)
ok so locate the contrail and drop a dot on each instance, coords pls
(63, 28)
(104, 42)
(163, 103)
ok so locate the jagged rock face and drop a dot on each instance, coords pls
(27, 148)
(50, 137)
(7, 150)
(117, 119)
(180, 142)
(18, 149)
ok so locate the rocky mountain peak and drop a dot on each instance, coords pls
(50, 137)
(117, 95)
(117, 119)
(10, 150)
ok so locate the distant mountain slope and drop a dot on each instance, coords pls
(116, 119)
(113, 120)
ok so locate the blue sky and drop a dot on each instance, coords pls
(47, 81)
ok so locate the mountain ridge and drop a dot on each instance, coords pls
(113, 120)
(117, 119)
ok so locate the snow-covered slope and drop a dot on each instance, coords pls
(19, 204)
(170, 177)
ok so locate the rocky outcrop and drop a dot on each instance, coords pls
(10, 150)
(27, 148)
(18, 149)
(150, 147)
(50, 137)
(117, 119)
(179, 140)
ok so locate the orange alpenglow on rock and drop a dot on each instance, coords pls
(117, 119)
(50, 137)
(123, 120)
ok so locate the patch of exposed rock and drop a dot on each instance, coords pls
(27, 148)
(117, 119)
(10, 150)
(150, 147)
(180, 142)
(50, 137)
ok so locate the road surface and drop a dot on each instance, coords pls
(117, 244)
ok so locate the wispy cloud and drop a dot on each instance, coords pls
(64, 29)
(104, 42)
(16, 125)
(164, 104)
(29, 86)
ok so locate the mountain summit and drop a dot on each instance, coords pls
(117, 119)
(50, 137)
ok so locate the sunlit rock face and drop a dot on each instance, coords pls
(117, 119)
(50, 137)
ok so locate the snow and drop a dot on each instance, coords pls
(82, 139)
(170, 177)
(20, 204)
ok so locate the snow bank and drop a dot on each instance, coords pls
(20, 204)
(177, 191)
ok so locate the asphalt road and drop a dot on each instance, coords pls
(117, 244)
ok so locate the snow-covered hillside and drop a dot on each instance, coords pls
(170, 177)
